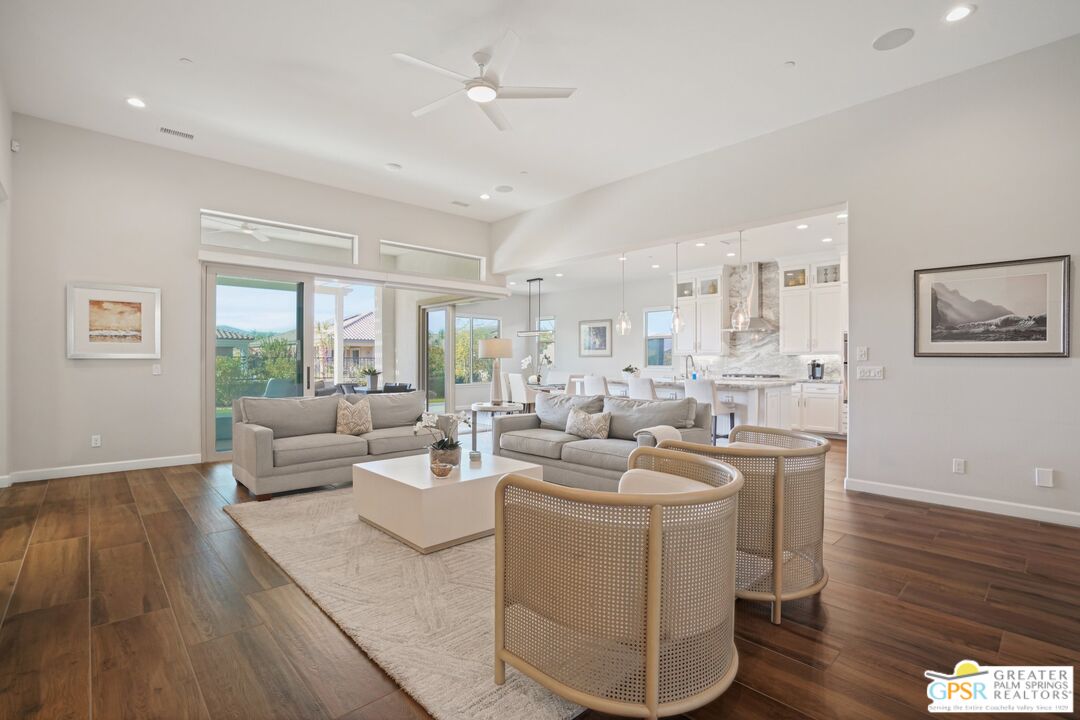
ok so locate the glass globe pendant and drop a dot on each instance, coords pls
(676, 318)
(740, 316)
(622, 323)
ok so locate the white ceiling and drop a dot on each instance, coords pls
(310, 90)
(760, 244)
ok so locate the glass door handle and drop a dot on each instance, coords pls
(307, 372)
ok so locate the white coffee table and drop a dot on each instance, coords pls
(402, 498)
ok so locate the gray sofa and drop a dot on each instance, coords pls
(541, 437)
(290, 443)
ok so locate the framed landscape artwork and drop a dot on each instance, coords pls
(113, 321)
(1005, 309)
(594, 338)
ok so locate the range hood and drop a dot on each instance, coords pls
(753, 303)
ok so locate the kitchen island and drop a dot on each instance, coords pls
(753, 401)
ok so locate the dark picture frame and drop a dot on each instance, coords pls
(1014, 308)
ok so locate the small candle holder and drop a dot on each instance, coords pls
(474, 457)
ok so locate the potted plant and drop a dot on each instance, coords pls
(445, 448)
(369, 375)
(630, 371)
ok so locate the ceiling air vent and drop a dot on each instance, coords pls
(459, 203)
(177, 133)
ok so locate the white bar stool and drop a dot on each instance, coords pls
(704, 391)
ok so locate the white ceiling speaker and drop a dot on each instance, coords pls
(485, 88)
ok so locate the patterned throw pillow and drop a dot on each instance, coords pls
(590, 427)
(353, 418)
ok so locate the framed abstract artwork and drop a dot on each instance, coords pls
(1018, 308)
(594, 338)
(116, 322)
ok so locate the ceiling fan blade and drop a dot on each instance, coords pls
(425, 65)
(435, 105)
(502, 55)
(532, 93)
(259, 236)
(495, 115)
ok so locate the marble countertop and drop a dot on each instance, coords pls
(734, 383)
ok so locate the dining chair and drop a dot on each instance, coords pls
(641, 389)
(596, 385)
(520, 392)
(704, 391)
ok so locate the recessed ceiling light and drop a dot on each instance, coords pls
(622, 259)
(826, 239)
(731, 254)
(504, 188)
(136, 102)
(699, 244)
(392, 167)
(841, 216)
(894, 39)
(485, 196)
(655, 267)
(801, 227)
(512, 282)
(960, 12)
(558, 274)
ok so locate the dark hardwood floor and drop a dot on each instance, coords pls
(133, 595)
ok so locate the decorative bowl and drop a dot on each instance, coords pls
(441, 470)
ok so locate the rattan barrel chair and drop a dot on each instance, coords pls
(623, 603)
(781, 511)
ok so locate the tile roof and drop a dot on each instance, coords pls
(229, 334)
(360, 328)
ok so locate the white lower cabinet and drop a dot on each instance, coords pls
(816, 407)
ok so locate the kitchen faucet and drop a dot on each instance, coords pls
(688, 362)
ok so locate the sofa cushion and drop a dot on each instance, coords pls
(588, 426)
(651, 481)
(629, 416)
(398, 439)
(300, 449)
(553, 410)
(389, 410)
(289, 417)
(610, 454)
(539, 441)
(354, 418)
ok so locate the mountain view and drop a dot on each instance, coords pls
(957, 318)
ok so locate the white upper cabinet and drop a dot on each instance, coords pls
(702, 302)
(686, 339)
(795, 322)
(813, 306)
(710, 321)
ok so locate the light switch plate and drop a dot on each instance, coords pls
(1044, 477)
(959, 466)
(870, 372)
(156, 369)
(862, 353)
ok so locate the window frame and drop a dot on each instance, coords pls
(540, 344)
(646, 337)
(471, 359)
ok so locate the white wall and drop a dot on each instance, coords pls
(976, 167)
(97, 208)
(603, 303)
(5, 279)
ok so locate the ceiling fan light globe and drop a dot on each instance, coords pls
(481, 93)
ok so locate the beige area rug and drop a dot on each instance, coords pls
(427, 620)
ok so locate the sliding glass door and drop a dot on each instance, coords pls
(260, 344)
(436, 358)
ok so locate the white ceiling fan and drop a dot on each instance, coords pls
(485, 88)
(241, 227)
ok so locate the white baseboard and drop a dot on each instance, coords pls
(966, 502)
(5, 481)
(98, 468)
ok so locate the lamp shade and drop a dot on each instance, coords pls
(496, 348)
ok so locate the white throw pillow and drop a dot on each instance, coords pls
(353, 418)
(590, 427)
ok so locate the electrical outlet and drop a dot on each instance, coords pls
(870, 372)
(95, 441)
(862, 353)
(1044, 477)
(959, 466)
(155, 369)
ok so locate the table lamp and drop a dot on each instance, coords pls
(495, 349)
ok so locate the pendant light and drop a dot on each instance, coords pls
(740, 317)
(622, 324)
(536, 332)
(676, 318)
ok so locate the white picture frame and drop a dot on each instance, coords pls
(113, 322)
(594, 338)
